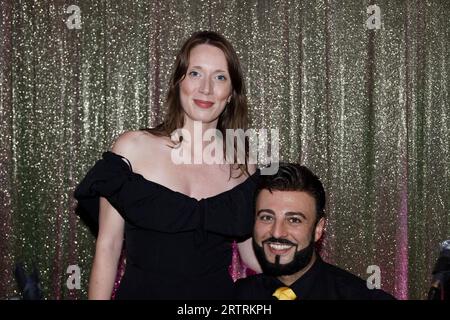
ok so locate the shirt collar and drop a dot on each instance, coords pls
(303, 285)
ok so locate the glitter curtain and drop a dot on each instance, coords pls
(366, 109)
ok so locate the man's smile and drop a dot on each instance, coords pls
(278, 249)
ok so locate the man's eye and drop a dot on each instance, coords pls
(265, 218)
(294, 220)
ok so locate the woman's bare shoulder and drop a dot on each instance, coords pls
(139, 144)
(251, 168)
(239, 176)
(127, 142)
(237, 171)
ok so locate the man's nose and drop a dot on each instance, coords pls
(279, 229)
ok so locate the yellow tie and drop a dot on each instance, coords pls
(284, 293)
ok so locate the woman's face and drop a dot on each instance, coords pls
(206, 88)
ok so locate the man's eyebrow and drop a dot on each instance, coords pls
(296, 213)
(265, 211)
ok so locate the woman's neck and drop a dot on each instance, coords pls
(197, 136)
(193, 126)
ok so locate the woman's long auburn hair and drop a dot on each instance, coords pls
(235, 114)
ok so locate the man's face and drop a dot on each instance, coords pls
(285, 224)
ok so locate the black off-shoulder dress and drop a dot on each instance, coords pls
(176, 247)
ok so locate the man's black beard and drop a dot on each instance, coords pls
(300, 260)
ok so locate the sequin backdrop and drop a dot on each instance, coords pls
(366, 109)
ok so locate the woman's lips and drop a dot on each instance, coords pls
(203, 104)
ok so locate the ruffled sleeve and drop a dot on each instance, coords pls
(105, 179)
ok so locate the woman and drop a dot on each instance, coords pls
(179, 219)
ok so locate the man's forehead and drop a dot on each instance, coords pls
(295, 196)
(285, 201)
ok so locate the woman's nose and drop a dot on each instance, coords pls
(205, 86)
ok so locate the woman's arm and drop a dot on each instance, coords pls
(246, 248)
(107, 252)
(110, 235)
(248, 255)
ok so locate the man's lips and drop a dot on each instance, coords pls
(203, 104)
(278, 249)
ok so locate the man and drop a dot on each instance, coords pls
(289, 221)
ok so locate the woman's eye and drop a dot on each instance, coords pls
(194, 73)
(221, 77)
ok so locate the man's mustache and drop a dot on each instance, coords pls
(278, 240)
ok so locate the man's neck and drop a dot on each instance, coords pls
(290, 279)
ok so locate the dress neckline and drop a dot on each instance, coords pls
(181, 194)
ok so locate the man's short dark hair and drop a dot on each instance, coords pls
(294, 177)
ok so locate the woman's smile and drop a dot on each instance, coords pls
(203, 104)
